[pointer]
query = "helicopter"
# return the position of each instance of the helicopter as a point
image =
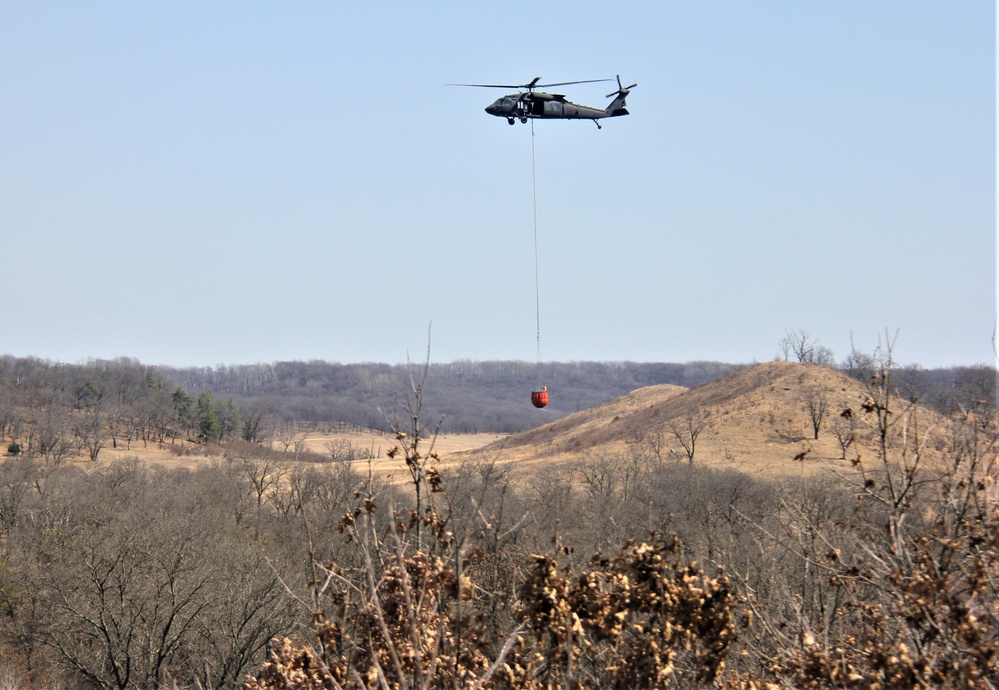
(529, 103)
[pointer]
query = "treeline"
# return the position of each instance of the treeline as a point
(52, 411)
(468, 396)
(624, 571)
(493, 396)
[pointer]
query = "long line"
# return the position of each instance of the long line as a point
(537, 280)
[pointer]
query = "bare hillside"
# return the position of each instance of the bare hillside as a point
(757, 419)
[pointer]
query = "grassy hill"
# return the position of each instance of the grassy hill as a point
(755, 420)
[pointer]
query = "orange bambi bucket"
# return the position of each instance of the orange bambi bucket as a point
(539, 398)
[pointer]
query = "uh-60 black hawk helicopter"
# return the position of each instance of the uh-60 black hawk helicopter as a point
(552, 106)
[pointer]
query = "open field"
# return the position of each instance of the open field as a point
(378, 442)
(181, 454)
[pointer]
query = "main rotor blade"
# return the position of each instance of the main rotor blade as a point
(533, 84)
(494, 86)
(566, 83)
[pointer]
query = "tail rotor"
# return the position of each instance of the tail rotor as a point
(621, 90)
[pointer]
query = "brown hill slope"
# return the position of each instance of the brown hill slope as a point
(758, 420)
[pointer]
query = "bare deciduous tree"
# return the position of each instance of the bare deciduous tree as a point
(52, 439)
(341, 449)
(148, 573)
(599, 476)
(844, 429)
(92, 432)
(424, 477)
(687, 428)
(816, 402)
(653, 447)
(803, 347)
(263, 473)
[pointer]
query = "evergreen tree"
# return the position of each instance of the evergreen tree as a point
(207, 419)
(183, 403)
(228, 419)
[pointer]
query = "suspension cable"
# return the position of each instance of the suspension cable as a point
(537, 281)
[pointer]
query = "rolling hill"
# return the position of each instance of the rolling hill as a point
(755, 420)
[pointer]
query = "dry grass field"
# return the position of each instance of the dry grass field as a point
(758, 422)
(378, 442)
(183, 454)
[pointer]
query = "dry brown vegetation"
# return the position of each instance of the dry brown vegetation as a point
(758, 421)
(882, 572)
(308, 445)
(605, 549)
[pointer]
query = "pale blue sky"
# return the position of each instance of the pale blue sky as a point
(195, 183)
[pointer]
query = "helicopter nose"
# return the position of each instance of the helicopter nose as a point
(491, 108)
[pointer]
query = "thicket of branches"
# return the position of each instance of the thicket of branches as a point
(887, 576)
(615, 571)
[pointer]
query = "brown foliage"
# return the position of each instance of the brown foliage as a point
(621, 623)
(415, 622)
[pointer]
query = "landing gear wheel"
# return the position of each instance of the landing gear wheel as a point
(509, 120)
(523, 120)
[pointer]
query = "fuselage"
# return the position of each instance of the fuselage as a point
(538, 105)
